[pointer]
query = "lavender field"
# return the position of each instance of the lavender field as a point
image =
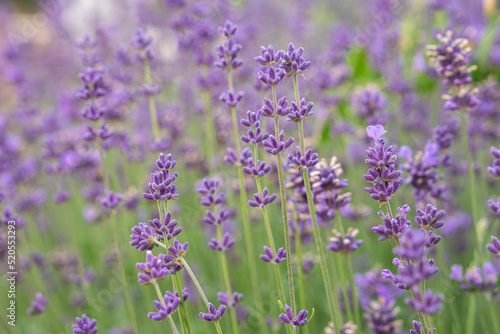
(249, 166)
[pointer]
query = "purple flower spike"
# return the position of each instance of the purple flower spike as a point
(292, 61)
(38, 305)
(221, 246)
(494, 247)
(153, 269)
(275, 146)
(344, 243)
(228, 30)
(429, 303)
(477, 278)
(213, 314)
(495, 206)
(375, 132)
(110, 200)
(411, 274)
(161, 187)
(141, 39)
(494, 169)
(268, 109)
(269, 57)
(260, 169)
(171, 302)
(93, 84)
(84, 325)
(272, 76)
(430, 218)
(229, 301)
(231, 99)
(177, 249)
(299, 113)
(298, 321)
(300, 161)
(208, 190)
(165, 162)
(268, 255)
(212, 219)
(395, 226)
(92, 112)
(143, 237)
(262, 201)
(417, 329)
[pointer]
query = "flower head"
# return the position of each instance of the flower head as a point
(84, 325)
(268, 255)
(164, 309)
(153, 269)
(268, 56)
(213, 314)
(344, 243)
(38, 305)
(298, 321)
(428, 303)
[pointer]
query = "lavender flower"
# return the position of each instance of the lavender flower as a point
(293, 63)
(430, 218)
(231, 99)
(227, 52)
(494, 247)
(300, 112)
(221, 246)
(93, 84)
(208, 189)
(229, 301)
(411, 245)
(344, 243)
(170, 304)
(161, 187)
(143, 237)
(268, 255)
(269, 57)
(38, 305)
(110, 200)
(417, 328)
(254, 136)
(494, 169)
(477, 278)
(276, 146)
(327, 176)
(382, 174)
(381, 317)
(153, 269)
(258, 169)
(298, 321)
(495, 206)
(177, 249)
(84, 325)
(371, 105)
(272, 76)
(269, 110)
(394, 227)
(262, 201)
(213, 314)
(411, 274)
(428, 303)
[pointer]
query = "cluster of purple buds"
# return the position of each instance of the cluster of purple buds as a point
(258, 169)
(300, 161)
(231, 99)
(268, 255)
(344, 243)
(477, 278)
(382, 174)
(231, 158)
(329, 203)
(229, 301)
(227, 52)
(223, 245)
(269, 110)
(153, 270)
(495, 206)
(213, 314)
(208, 190)
(395, 226)
(94, 86)
(272, 76)
(411, 274)
(269, 57)
(164, 309)
(494, 169)
(417, 329)
(430, 218)
(293, 63)
(38, 305)
(327, 176)
(370, 104)
(298, 321)
(300, 112)
(84, 325)
(141, 42)
(427, 303)
(275, 145)
(161, 187)
(494, 247)
(262, 200)
(144, 235)
(381, 317)
(110, 200)
(255, 134)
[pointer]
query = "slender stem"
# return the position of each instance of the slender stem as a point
(284, 214)
(471, 315)
(350, 277)
(457, 328)
(103, 165)
(227, 281)
(162, 301)
(340, 265)
(300, 272)
(471, 185)
(490, 305)
(210, 130)
(200, 290)
(151, 101)
(130, 305)
(252, 265)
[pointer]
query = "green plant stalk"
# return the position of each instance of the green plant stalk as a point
(471, 316)
(490, 305)
(284, 214)
(252, 266)
(457, 328)
(227, 282)
(209, 130)
(334, 310)
(103, 165)
(160, 299)
(176, 283)
(151, 101)
(471, 185)
(130, 305)
(300, 273)
(343, 286)
(200, 290)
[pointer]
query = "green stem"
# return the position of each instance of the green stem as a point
(200, 290)
(227, 281)
(350, 277)
(103, 165)
(162, 301)
(151, 101)
(300, 272)
(457, 328)
(130, 305)
(210, 130)
(284, 214)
